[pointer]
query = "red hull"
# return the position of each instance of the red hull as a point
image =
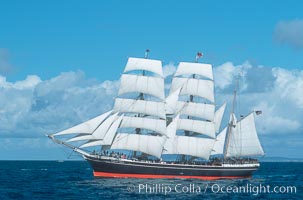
(117, 175)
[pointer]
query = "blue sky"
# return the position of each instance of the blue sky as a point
(59, 60)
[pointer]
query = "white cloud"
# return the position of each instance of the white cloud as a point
(226, 73)
(30, 82)
(34, 107)
(290, 33)
(289, 85)
(31, 107)
(276, 91)
(270, 122)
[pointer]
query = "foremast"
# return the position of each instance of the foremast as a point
(143, 114)
(146, 113)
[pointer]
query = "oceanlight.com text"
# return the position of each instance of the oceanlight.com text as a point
(211, 188)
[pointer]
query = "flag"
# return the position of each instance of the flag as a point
(258, 112)
(199, 55)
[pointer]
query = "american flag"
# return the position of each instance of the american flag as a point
(259, 112)
(199, 55)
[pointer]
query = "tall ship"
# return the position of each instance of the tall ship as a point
(148, 134)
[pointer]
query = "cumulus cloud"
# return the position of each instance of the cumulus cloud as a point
(274, 90)
(226, 74)
(290, 33)
(32, 107)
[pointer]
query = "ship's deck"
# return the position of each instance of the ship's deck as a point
(171, 163)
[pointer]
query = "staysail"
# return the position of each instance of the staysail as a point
(87, 127)
(243, 139)
(218, 148)
(218, 117)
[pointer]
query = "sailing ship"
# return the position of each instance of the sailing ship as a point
(148, 134)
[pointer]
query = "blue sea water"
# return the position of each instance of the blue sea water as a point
(74, 180)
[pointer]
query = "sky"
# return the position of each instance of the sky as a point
(60, 63)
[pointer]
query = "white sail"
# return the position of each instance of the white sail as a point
(92, 143)
(140, 106)
(244, 140)
(185, 68)
(99, 133)
(171, 102)
(218, 117)
(152, 145)
(86, 127)
(201, 110)
(197, 126)
(108, 138)
(157, 125)
(197, 87)
(194, 146)
(81, 138)
(169, 145)
(142, 84)
(219, 144)
(154, 66)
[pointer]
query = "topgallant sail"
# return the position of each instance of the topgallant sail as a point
(148, 135)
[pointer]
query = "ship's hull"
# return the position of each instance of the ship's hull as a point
(119, 168)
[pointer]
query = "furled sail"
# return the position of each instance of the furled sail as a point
(218, 117)
(87, 127)
(154, 66)
(142, 84)
(152, 145)
(244, 140)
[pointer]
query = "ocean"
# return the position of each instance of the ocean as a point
(74, 180)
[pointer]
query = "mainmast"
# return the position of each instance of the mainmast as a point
(141, 97)
(191, 99)
(231, 124)
(191, 116)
